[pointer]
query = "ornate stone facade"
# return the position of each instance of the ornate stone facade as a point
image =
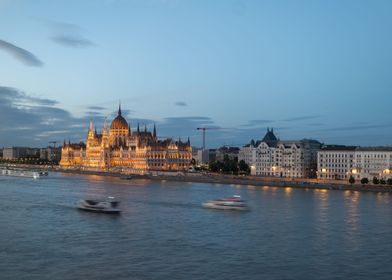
(286, 159)
(120, 149)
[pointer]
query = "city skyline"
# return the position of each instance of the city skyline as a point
(308, 69)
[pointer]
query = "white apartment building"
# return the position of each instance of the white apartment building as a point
(335, 162)
(247, 154)
(373, 162)
(272, 157)
(341, 162)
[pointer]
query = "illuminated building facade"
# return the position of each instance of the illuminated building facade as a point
(120, 149)
(286, 159)
(340, 162)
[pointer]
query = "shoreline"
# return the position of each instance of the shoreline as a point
(212, 178)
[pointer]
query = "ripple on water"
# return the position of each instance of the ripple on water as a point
(164, 233)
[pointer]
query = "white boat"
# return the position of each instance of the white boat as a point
(19, 173)
(228, 203)
(109, 206)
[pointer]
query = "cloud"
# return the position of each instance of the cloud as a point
(316, 124)
(32, 121)
(303, 118)
(96, 108)
(20, 54)
(257, 123)
(363, 128)
(68, 35)
(12, 95)
(72, 41)
(181, 104)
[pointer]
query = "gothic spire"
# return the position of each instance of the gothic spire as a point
(90, 130)
(105, 129)
(119, 109)
(154, 134)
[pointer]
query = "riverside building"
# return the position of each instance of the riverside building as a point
(123, 150)
(341, 162)
(273, 157)
(335, 162)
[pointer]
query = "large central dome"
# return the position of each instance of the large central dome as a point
(119, 122)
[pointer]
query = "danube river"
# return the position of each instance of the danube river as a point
(164, 233)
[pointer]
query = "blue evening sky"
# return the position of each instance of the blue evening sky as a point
(308, 69)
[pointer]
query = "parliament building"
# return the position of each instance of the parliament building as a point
(122, 150)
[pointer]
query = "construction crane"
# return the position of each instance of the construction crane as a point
(54, 143)
(204, 134)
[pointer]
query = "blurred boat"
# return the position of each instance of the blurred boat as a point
(19, 173)
(108, 206)
(229, 203)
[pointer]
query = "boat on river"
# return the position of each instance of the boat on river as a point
(109, 206)
(19, 173)
(229, 203)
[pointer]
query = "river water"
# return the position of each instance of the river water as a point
(164, 233)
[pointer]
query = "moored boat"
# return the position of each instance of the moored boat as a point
(108, 206)
(229, 203)
(19, 173)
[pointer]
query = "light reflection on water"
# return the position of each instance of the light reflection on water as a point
(164, 233)
(351, 219)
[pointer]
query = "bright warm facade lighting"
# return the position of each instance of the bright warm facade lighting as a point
(323, 170)
(387, 171)
(354, 171)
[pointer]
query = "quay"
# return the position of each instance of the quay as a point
(213, 178)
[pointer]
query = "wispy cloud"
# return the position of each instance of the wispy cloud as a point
(316, 124)
(257, 123)
(96, 108)
(360, 127)
(69, 35)
(33, 121)
(20, 54)
(302, 118)
(181, 104)
(72, 41)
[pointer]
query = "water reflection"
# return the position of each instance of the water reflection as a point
(383, 197)
(351, 218)
(290, 233)
(322, 224)
(288, 191)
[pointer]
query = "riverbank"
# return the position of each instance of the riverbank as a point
(213, 178)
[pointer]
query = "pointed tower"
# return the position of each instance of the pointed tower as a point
(90, 134)
(270, 138)
(138, 129)
(119, 109)
(145, 128)
(154, 134)
(105, 136)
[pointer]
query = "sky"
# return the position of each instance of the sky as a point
(306, 68)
